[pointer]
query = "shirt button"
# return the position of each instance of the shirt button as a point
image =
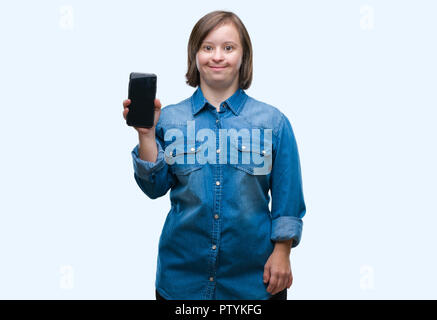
(216, 216)
(214, 247)
(217, 120)
(264, 151)
(218, 150)
(244, 147)
(192, 149)
(217, 183)
(211, 278)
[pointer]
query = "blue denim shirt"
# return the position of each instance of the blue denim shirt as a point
(220, 230)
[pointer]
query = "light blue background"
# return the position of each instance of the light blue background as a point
(361, 101)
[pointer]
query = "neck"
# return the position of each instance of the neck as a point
(215, 96)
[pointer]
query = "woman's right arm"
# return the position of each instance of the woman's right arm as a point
(151, 172)
(146, 136)
(147, 148)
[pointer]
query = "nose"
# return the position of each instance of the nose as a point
(218, 55)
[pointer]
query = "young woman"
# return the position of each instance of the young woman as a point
(220, 240)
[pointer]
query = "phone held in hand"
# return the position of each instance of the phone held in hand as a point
(142, 93)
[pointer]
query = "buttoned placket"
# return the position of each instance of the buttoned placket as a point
(215, 235)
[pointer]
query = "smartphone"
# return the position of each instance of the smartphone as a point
(142, 93)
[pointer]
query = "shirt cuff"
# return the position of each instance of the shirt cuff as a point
(146, 169)
(286, 228)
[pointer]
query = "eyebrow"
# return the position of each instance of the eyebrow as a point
(223, 42)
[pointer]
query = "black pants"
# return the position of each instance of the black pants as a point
(282, 295)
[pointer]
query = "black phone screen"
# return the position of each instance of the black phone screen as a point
(142, 93)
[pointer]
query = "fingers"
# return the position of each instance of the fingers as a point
(281, 285)
(127, 102)
(272, 284)
(278, 285)
(290, 281)
(279, 282)
(125, 108)
(157, 104)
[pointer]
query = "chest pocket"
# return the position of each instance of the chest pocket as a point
(253, 158)
(182, 157)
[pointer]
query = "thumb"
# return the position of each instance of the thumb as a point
(266, 275)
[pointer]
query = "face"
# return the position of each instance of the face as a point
(221, 48)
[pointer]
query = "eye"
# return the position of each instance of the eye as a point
(229, 47)
(206, 47)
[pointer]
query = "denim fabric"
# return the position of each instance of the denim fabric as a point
(220, 231)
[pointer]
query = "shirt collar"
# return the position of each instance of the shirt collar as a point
(235, 102)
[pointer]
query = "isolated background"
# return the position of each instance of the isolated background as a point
(357, 79)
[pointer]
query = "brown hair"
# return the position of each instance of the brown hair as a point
(199, 33)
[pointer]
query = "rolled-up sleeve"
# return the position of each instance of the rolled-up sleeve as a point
(153, 178)
(288, 205)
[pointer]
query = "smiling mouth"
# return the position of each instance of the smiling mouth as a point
(217, 68)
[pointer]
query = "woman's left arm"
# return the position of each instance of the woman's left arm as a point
(288, 208)
(288, 205)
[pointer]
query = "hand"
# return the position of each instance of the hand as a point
(277, 272)
(144, 131)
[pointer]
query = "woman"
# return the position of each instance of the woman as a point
(220, 240)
